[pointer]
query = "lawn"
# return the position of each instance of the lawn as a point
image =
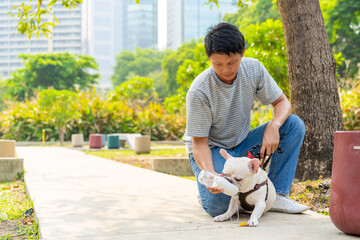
(14, 202)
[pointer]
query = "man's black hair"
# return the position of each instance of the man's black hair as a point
(224, 38)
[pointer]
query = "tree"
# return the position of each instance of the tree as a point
(342, 21)
(312, 83)
(173, 61)
(30, 16)
(57, 70)
(258, 12)
(137, 91)
(139, 63)
(312, 80)
(343, 27)
(60, 106)
(186, 73)
(266, 43)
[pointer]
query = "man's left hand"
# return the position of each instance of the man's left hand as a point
(271, 140)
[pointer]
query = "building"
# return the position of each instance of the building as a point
(67, 36)
(103, 34)
(141, 25)
(190, 19)
(114, 26)
(99, 28)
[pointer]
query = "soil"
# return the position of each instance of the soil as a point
(11, 230)
(142, 161)
(314, 194)
(16, 229)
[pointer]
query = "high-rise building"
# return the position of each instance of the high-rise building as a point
(114, 26)
(190, 19)
(103, 34)
(141, 25)
(99, 28)
(66, 36)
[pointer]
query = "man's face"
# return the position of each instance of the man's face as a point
(225, 66)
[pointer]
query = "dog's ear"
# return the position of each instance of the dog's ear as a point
(254, 165)
(224, 154)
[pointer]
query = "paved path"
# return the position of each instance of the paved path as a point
(79, 196)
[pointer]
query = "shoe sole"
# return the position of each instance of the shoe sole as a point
(287, 211)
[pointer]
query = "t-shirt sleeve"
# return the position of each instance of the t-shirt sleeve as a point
(198, 115)
(267, 90)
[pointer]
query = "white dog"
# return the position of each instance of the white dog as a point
(256, 191)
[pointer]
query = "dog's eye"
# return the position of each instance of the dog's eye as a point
(238, 179)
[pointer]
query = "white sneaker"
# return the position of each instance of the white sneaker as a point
(286, 205)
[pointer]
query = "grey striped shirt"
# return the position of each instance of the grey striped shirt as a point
(222, 112)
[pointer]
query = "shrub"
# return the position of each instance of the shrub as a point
(350, 105)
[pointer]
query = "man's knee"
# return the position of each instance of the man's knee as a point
(217, 205)
(216, 211)
(297, 125)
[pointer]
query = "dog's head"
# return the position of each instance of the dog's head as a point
(237, 169)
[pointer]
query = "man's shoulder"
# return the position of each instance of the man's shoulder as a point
(201, 80)
(248, 61)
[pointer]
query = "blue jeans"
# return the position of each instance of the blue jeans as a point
(282, 166)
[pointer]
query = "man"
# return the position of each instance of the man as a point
(218, 106)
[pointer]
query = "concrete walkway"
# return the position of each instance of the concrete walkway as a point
(79, 196)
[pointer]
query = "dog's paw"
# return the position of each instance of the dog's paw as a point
(253, 222)
(221, 218)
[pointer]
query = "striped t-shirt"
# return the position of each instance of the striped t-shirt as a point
(220, 111)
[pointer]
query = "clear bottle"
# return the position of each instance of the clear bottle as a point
(210, 179)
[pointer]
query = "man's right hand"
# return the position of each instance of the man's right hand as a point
(215, 190)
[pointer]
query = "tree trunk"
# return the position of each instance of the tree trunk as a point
(312, 83)
(61, 134)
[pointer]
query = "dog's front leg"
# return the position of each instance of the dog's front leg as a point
(233, 206)
(256, 214)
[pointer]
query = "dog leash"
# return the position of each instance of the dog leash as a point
(263, 163)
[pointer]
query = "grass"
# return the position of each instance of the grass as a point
(315, 194)
(111, 154)
(13, 204)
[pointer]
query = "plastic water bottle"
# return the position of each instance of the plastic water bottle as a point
(210, 179)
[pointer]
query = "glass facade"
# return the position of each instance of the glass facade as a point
(141, 29)
(190, 19)
(66, 36)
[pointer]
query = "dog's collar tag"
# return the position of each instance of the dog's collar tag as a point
(249, 155)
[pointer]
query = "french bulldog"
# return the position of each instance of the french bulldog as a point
(256, 191)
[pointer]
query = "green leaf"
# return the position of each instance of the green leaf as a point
(38, 20)
(44, 32)
(52, 3)
(51, 24)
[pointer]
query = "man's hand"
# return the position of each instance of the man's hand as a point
(271, 137)
(270, 141)
(214, 190)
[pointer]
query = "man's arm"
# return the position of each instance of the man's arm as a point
(203, 157)
(202, 153)
(271, 139)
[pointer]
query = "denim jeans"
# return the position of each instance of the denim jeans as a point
(282, 166)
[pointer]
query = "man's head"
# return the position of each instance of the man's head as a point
(225, 46)
(224, 38)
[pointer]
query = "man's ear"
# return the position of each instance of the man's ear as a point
(254, 165)
(224, 154)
